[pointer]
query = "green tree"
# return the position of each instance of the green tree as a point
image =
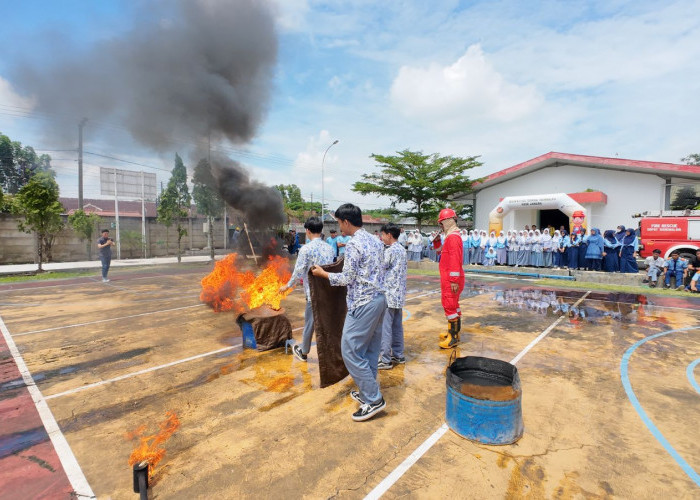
(425, 182)
(19, 163)
(37, 203)
(175, 202)
(686, 197)
(207, 198)
(131, 242)
(84, 226)
(691, 159)
(294, 204)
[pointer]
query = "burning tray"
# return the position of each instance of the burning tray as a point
(264, 328)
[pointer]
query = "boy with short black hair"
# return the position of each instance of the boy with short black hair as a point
(105, 244)
(655, 267)
(315, 252)
(395, 291)
(363, 274)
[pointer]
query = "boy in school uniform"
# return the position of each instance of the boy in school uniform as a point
(395, 291)
(315, 252)
(363, 275)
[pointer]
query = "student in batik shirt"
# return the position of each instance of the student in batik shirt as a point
(395, 286)
(363, 274)
(316, 252)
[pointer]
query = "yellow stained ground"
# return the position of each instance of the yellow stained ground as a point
(257, 425)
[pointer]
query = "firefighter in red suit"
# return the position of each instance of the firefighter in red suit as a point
(451, 277)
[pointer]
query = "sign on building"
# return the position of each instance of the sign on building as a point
(130, 184)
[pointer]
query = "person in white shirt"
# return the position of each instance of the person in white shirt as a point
(655, 267)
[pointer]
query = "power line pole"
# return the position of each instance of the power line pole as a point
(81, 124)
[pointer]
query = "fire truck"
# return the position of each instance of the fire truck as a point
(669, 231)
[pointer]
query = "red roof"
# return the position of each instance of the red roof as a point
(589, 197)
(553, 159)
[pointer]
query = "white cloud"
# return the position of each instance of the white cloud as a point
(470, 89)
(11, 101)
(290, 15)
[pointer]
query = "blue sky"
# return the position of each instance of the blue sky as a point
(504, 80)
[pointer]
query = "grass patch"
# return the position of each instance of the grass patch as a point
(642, 290)
(424, 272)
(48, 275)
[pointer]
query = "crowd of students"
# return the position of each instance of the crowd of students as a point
(613, 251)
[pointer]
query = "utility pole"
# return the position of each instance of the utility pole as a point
(81, 124)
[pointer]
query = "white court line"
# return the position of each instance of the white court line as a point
(65, 454)
(399, 471)
(146, 370)
(92, 279)
(105, 320)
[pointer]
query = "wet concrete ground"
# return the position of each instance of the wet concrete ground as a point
(257, 425)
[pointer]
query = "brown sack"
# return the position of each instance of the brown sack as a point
(271, 328)
(329, 308)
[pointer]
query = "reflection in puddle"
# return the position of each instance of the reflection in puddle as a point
(630, 308)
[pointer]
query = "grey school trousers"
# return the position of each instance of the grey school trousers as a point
(362, 337)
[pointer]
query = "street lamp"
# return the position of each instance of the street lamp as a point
(323, 177)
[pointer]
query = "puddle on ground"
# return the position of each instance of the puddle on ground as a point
(630, 308)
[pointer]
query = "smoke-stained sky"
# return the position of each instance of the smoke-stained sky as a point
(187, 70)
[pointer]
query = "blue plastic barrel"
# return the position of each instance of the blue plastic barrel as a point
(479, 419)
(248, 335)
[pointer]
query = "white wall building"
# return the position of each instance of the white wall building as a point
(611, 190)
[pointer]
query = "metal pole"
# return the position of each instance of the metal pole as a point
(81, 124)
(323, 177)
(116, 215)
(250, 242)
(143, 215)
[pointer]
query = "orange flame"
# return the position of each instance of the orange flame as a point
(228, 288)
(149, 448)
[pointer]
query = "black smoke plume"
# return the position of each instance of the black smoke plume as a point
(187, 71)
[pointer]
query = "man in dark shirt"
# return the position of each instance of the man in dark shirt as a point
(693, 268)
(105, 245)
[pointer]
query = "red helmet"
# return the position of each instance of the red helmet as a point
(578, 213)
(446, 213)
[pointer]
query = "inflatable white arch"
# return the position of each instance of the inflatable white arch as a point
(558, 201)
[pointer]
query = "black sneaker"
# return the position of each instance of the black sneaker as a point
(383, 365)
(367, 410)
(356, 396)
(667, 286)
(398, 361)
(296, 349)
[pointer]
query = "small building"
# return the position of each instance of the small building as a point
(550, 189)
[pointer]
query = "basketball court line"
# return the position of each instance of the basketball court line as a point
(411, 460)
(65, 454)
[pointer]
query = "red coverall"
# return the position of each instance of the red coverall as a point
(451, 272)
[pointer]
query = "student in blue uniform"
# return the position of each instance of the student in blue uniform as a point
(594, 250)
(564, 244)
(572, 253)
(677, 268)
(620, 233)
(628, 252)
(537, 250)
(582, 249)
(611, 252)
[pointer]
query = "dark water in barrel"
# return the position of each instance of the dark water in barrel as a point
(487, 388)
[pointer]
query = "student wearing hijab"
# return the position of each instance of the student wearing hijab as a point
(522, 256)
(465, 246)
(564, 244)
(611, 252)
(572, 253)
(529, 241)
(583, 247)
(547, 247)
(620, 233)
(556, 255)
(476, 244)
(481, 249)
(512, 248)
(537, 256)
(501, 249)
(490, 256)
(628, 252)
(594, 250)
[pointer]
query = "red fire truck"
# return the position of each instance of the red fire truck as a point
(669, 231)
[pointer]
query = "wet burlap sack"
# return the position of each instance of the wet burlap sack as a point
(271, 328)
(329, 307)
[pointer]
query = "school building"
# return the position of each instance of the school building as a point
(557, 188)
